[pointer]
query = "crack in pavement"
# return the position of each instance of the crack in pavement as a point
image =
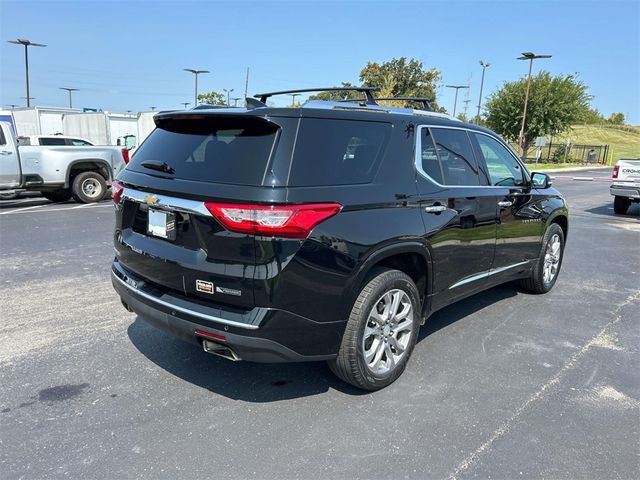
(473, 457)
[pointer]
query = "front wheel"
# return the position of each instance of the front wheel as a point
(545, 272)
(380, 333)
(621, 204)
(89, 187)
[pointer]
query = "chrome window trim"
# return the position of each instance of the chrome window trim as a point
(418, 156)
(168, 202)
(486, 274)
(178, 308)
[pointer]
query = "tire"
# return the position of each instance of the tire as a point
(550, 258)
(89, 187)
(621, 204)
(376, 298)
(57, 195)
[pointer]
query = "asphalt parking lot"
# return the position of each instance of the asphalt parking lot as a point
(502, 385)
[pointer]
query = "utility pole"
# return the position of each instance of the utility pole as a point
(185, 104)
(293, 98)
(228, 92)
(12, 105)
(484, 65)
(27, 44)
(195, 73)
(246, 83)
(531, 57)
(69, 89)
(153, 109)
(455, 101)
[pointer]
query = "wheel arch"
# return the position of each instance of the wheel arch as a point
(412, 258)
(87, 165)
(562, 219)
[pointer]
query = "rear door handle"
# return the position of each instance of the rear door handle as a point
(435, 209)
(505, 203)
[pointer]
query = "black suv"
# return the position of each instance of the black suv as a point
(326, 232)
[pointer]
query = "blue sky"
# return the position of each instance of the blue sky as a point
(130, 55)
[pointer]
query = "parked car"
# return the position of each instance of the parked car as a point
(626, 185)
(50, 140)
(58, 172)
(326, 232)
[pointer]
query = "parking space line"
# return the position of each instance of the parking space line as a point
(23, 209)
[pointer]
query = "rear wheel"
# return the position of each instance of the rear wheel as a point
(89, 187)
(56, 196)
(380, 333)
(621, 204)
(545, 273)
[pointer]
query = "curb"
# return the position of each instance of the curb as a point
(568, 170)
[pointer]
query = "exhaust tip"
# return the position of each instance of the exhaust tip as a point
(220, 350)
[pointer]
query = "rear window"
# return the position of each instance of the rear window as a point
(337, 152)
(220, 150)
(51, 141)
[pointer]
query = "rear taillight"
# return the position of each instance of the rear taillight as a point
(615, 171)
(116, 191)
(125, 156)
(289, 221)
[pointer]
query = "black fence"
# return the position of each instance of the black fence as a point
(572, 153)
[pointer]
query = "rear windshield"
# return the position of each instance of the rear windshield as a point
(337, 152)
(220, 150)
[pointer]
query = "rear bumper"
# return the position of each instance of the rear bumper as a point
(629, 191)
(259, 335)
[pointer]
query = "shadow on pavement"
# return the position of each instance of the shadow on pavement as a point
(257, 382)
(607, 211)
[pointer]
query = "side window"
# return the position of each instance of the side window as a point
(429, 157)
(51, 141)
(456, 157)
(503, 168)
(3, 141)
(76, 142)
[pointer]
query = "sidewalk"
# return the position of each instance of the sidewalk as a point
(531, 168)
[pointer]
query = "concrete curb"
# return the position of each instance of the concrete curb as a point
(559, 170)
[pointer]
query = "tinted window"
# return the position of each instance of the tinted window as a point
(337, 152)
(223, 150)
(3, 141)
(456, 157)
(24, 141)
(50, 141)
(503, 168)
(430, 162)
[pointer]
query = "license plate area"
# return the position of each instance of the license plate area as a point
(162, 224)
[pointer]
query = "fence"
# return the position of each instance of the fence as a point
(572, 153)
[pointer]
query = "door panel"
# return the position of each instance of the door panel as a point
(9, 161)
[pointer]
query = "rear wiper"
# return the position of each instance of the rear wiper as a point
(161, 166)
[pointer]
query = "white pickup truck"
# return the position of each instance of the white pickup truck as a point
(626, 184)
(58, 172)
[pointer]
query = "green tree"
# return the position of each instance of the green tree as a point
(212, 98)
(555, 103)
(591, 116)
(616, 118)
(397, 77)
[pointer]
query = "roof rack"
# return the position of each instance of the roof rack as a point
(426, 102)
(370, 100)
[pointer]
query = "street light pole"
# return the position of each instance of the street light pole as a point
(455, 101)
(484, 67)
(235, 101)
(185, 104)
(69, 89)
(531, 57)
(228, 92)
(196, 73)
(293, 98)
(27, 44)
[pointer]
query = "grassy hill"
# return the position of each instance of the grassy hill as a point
(623, 139)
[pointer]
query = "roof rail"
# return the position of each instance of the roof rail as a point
(425, 101)
(370, 100)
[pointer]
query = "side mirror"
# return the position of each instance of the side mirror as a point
(540, 180)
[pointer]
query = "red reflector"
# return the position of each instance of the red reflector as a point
(125, 156)
(210, 335)
(116, 191)
(615, 171)
(289, 221)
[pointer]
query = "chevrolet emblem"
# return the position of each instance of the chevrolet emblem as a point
(150, 199)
